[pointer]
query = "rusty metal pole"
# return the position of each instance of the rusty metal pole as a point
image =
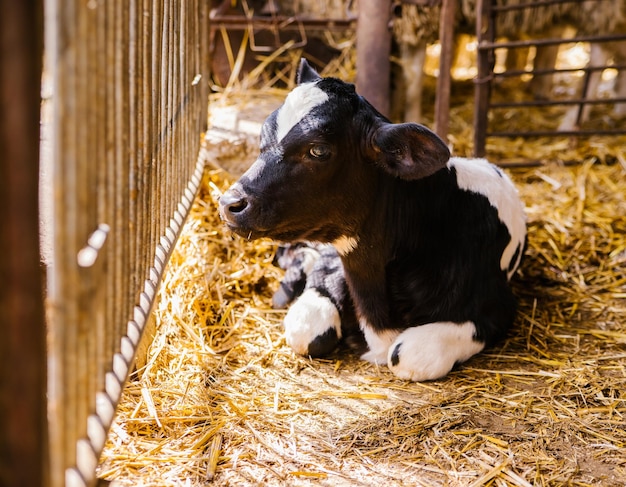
(373, 37)
(444, 80)
(23, 437)
(485, 62)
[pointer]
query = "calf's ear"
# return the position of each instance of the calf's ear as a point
(306, 73)
(409, 150)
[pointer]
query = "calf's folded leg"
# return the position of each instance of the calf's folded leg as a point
(430, 351)
(312, 324)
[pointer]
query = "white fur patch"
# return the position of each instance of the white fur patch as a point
(480, 176)
(309, 317)
(309, 257)
(378, 343)
(299, 102)
(344, 245)
(430, 351)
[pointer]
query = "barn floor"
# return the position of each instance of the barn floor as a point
(222, 400)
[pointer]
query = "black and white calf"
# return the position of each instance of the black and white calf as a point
(428, 242)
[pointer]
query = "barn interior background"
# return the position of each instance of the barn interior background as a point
(136, 249)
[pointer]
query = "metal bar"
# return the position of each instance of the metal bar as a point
(482, 89)
(372, 55)
(519, 72)
(583, 101)
(482, 46)
(444, 80)
(239, 22)
(537, 4)
(543, 103)
(557, 133)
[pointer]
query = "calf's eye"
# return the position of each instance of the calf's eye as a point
(319, 151)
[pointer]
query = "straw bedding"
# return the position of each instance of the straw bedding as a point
(222, 400)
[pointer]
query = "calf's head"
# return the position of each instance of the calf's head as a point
(323, 156)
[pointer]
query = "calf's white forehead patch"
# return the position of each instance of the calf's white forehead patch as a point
(298, 104)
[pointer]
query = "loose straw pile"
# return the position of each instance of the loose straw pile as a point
(223, 401)
(222, 398)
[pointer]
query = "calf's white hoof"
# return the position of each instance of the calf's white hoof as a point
(430, 351)
(312, 325)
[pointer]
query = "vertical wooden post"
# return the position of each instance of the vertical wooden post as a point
(485, 61)
(372, 53)
(23, 432)
(446, 38)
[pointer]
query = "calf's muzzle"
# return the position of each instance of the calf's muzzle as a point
(232, 203)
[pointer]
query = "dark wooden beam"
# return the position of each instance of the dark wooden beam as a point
(23, 437)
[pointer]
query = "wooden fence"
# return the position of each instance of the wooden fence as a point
(128, 105)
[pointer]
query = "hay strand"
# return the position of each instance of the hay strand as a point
(214, 455)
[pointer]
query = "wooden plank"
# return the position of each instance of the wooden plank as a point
(22, 347)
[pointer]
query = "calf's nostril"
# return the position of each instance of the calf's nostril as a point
(237, 206)
(233, 202)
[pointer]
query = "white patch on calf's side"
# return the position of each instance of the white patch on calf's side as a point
(344, 245)
(429, 352)
(310, 316)
(378, 343)
(482, 177)
(299, 102)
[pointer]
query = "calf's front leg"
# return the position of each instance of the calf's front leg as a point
(430, 351)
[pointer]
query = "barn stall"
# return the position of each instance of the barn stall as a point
(217, 396)
(223, 400)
